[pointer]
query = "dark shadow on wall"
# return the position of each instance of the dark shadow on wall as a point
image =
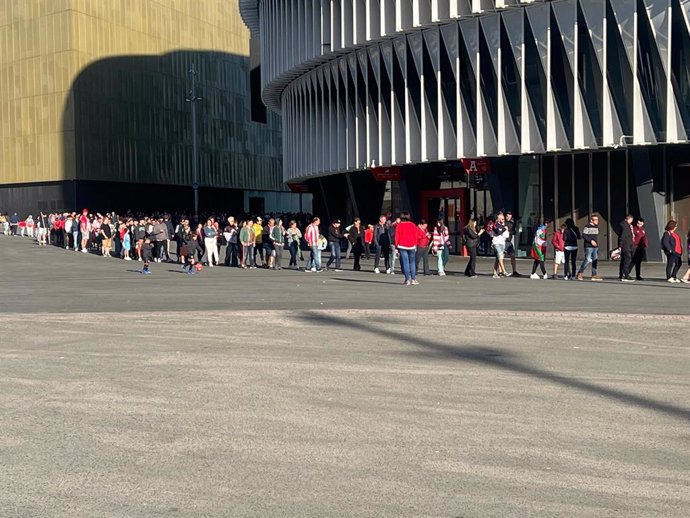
(128, 134)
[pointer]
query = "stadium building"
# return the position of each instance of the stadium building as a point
(93, 108)
(549, 109)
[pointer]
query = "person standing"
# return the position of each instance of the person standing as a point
(499, 235)
(673, 248)
(406, 244)
(334, 237)
(356, 237)
(441, 238)
(267, 243)
(230, 234)
(538, 251)
(510, 243)
(258, 230)
(590, 235)
(84, 229)
(42, 224)
(571, 235)
(294, 235)
(312, 235)
(382, 245)
(14, 224)
(558, 242)
(211, 243)
(106, 233)
(640, 244)
(394, 253)
(278, 239)
(423, 240)
(368, 240)
(471, 243)
(247, 240)
(626, 243)
(126, 240)
(686, 277)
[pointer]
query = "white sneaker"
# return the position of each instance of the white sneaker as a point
(441, 274)
(534, 276)
(388, 271)
(671, 280)
(313, 269)
(545, 276)
(376, 270)
(83, 250)
(66, 248)
(496, 276)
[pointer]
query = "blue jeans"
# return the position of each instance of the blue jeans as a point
(335, 255)
(591, 256)
(314, 258)
(408, 264)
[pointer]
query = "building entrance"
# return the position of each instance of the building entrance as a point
(451, 206)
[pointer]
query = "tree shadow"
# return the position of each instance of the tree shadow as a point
(500, 360)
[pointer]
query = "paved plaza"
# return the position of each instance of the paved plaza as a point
(260, 393)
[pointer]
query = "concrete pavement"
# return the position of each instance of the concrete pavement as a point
(36, 279)
(257, 393)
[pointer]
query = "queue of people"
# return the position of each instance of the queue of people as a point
(252, 242)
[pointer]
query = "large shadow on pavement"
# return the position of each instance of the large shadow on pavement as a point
(500, 360)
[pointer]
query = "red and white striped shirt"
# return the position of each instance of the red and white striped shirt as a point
(312, 235)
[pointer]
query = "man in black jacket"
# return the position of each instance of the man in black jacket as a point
(626, 244)
(334, 237)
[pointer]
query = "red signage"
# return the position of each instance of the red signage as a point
(476, 165)
(298, 187)
(386, 174)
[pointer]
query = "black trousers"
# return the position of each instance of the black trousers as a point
(385, 253)
(570, 265)
(540, 264)
(423, 256)
(626, 264)
(472, 263)
(639, 256)
(231, 255)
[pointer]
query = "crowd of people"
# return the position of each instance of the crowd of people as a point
(251, 242)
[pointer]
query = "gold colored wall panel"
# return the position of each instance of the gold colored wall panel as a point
(46, 45)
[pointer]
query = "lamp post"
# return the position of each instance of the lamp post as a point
(195, 144)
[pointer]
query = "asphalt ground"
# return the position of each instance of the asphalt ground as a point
(258, 393)
(48, 279)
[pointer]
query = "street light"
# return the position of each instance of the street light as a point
(195, 144)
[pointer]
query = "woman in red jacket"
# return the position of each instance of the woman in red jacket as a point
(406, 244)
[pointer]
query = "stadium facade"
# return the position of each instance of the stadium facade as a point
(549, 109)
(93, 108)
